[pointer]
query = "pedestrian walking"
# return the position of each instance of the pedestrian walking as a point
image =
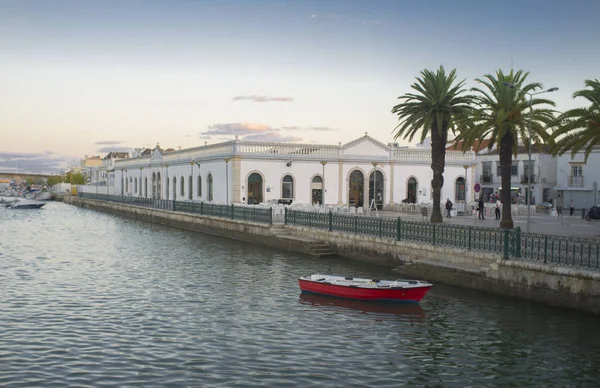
(449, 207)
(559, 206)
(498, 207)
(571, 207)
(481, 208)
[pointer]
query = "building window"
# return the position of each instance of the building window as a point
(182, 187)
(577, 171)
(514, 169)
(287, 187)
(135, 186)
(190, 188)
(199, 186)
(210, 187)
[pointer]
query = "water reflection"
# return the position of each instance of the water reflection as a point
(407, 309)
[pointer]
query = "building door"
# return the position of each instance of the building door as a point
(356, 189)
(459, 191)
(158, 186)
(316, 190)
(411, 190)
(254, 189)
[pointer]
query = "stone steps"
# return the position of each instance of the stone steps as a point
(310, 246)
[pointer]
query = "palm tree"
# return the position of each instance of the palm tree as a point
(501, 114)
(432, 110)
(581, 126)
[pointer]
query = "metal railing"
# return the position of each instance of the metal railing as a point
(232, 212)
(575, 181)
(524, 179)
(487, 178)
(510, 243)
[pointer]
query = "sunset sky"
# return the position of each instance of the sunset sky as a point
(88, 77)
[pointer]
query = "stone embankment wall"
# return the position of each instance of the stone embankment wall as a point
(572, 288)
(234, 229)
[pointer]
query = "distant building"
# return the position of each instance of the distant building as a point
(579, 180)
(542, 170)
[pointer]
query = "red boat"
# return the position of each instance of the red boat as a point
(408, 291)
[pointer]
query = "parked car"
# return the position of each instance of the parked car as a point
(547, 205)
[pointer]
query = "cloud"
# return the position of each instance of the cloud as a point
(239, 129)
(108, 149)
(320, 129)
(257, 98)
(296, 128)
(272, 137)
(47, 162)
(108, 142)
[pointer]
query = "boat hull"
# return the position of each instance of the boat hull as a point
(28, 206)
(399, 294)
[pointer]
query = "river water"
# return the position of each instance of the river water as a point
(91, 299)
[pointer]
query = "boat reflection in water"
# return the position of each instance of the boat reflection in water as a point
(408, 309)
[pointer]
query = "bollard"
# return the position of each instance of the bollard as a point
(582, 213)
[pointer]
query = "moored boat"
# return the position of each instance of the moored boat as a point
(26, 204)
(408, 291)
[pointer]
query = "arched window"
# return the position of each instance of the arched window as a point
(146, 187)
(210, 187)
(190, 188)
(199, 186)
(174, 188)
(182, 187)
(287, 187)
(135, 186)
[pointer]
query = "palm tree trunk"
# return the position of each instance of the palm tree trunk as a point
(506, 151)
(438, 163)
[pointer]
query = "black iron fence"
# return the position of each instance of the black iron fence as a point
(511, 243)
(232, 212)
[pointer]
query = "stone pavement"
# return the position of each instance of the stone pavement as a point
(540, 223)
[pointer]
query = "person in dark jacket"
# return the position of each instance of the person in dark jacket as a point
(481, 208)
(449, 207)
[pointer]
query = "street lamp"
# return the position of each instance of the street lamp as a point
(374, 187)
(528, 191)
(323, 185)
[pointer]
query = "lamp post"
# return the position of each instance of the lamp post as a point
(466, 167)
(528, 191)
(323, 184)
(227, 179)
(374, 185)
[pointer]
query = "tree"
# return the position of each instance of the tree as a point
(432, 111)
(501, 114)
(579, 129)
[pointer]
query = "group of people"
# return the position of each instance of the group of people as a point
(559, 206)
(480, 208)
(498, 207)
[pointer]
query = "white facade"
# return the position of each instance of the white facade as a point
(579, 180)
(254, 172)
(543, 177)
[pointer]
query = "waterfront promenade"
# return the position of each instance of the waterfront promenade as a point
(540, 223)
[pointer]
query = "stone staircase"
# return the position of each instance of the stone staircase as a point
(301, 244)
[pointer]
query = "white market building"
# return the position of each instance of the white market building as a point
(260, 172)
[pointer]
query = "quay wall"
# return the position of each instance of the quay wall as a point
(489, 272)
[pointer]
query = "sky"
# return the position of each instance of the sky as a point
(89, 77)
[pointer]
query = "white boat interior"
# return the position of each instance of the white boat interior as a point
(366, 283)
